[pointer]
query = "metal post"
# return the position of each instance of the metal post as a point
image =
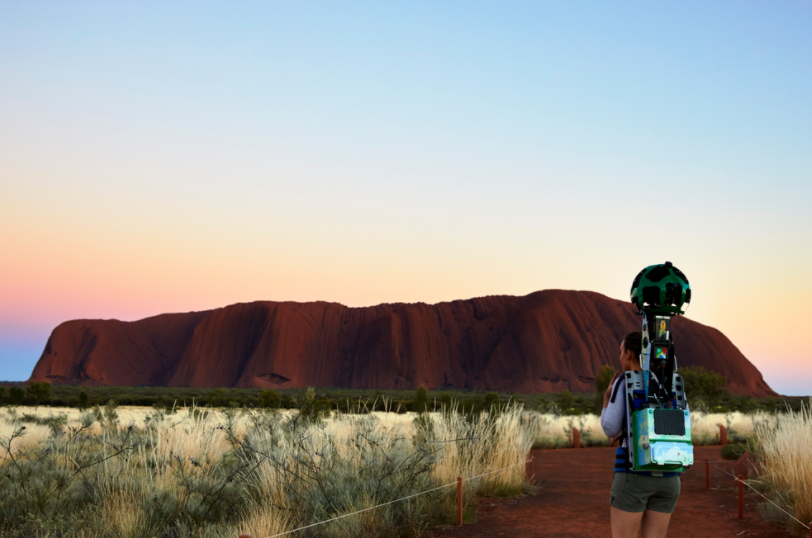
(459, 500)
(707, 474)
(741, 497)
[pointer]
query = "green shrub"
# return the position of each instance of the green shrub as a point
(312, 409)
(38, 392)
(16, 396)
(604, 377)
(491, 402)
(287, 402)
(270, 400)
(83, 401)
(602, 380)
(706, 385)
(421, 400)
(733, 451)
(110, 415)
(565, 400)
(446, 402)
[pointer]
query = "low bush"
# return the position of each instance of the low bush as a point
(733, 451)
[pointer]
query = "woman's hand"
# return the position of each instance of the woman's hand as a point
(608, 393)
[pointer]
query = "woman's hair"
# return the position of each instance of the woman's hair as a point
(634, 342)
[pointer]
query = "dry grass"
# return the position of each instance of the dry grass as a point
(215, 474)
(554, 430)
(35, 435)
(508, 442)
(210, 474)
(785, 449)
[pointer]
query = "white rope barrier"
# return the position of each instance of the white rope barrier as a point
(496, 471)
(396, 500)
(762, 495)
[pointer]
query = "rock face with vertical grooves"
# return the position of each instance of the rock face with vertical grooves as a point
(543, 342)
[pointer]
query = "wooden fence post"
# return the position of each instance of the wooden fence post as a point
(722, 435)
(459, 500)
(576, 438)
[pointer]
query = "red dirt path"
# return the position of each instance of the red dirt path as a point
(573, 500)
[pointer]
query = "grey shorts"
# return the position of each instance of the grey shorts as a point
(635, 493)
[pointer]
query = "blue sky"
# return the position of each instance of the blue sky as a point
(160, 157)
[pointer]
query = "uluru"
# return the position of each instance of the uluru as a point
(546, 341)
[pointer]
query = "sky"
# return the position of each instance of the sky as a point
(170, 157)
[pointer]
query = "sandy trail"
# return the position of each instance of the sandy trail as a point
(573, 500)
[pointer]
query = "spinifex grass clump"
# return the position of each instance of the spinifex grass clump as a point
(784, 448)
(325, 469)
(482, 443)
(101, 479)
(218, 474)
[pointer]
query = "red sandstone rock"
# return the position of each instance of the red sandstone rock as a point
(543, 342)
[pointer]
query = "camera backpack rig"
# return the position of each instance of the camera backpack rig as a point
(657, 416)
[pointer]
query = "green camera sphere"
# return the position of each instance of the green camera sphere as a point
(661, 289)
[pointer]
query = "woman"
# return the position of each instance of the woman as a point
(640, 501)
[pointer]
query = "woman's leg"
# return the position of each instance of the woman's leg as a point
(655, 524)
(660, 506)
(626, 524)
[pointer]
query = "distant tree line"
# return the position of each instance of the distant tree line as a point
(705, 391)
(33, 393)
